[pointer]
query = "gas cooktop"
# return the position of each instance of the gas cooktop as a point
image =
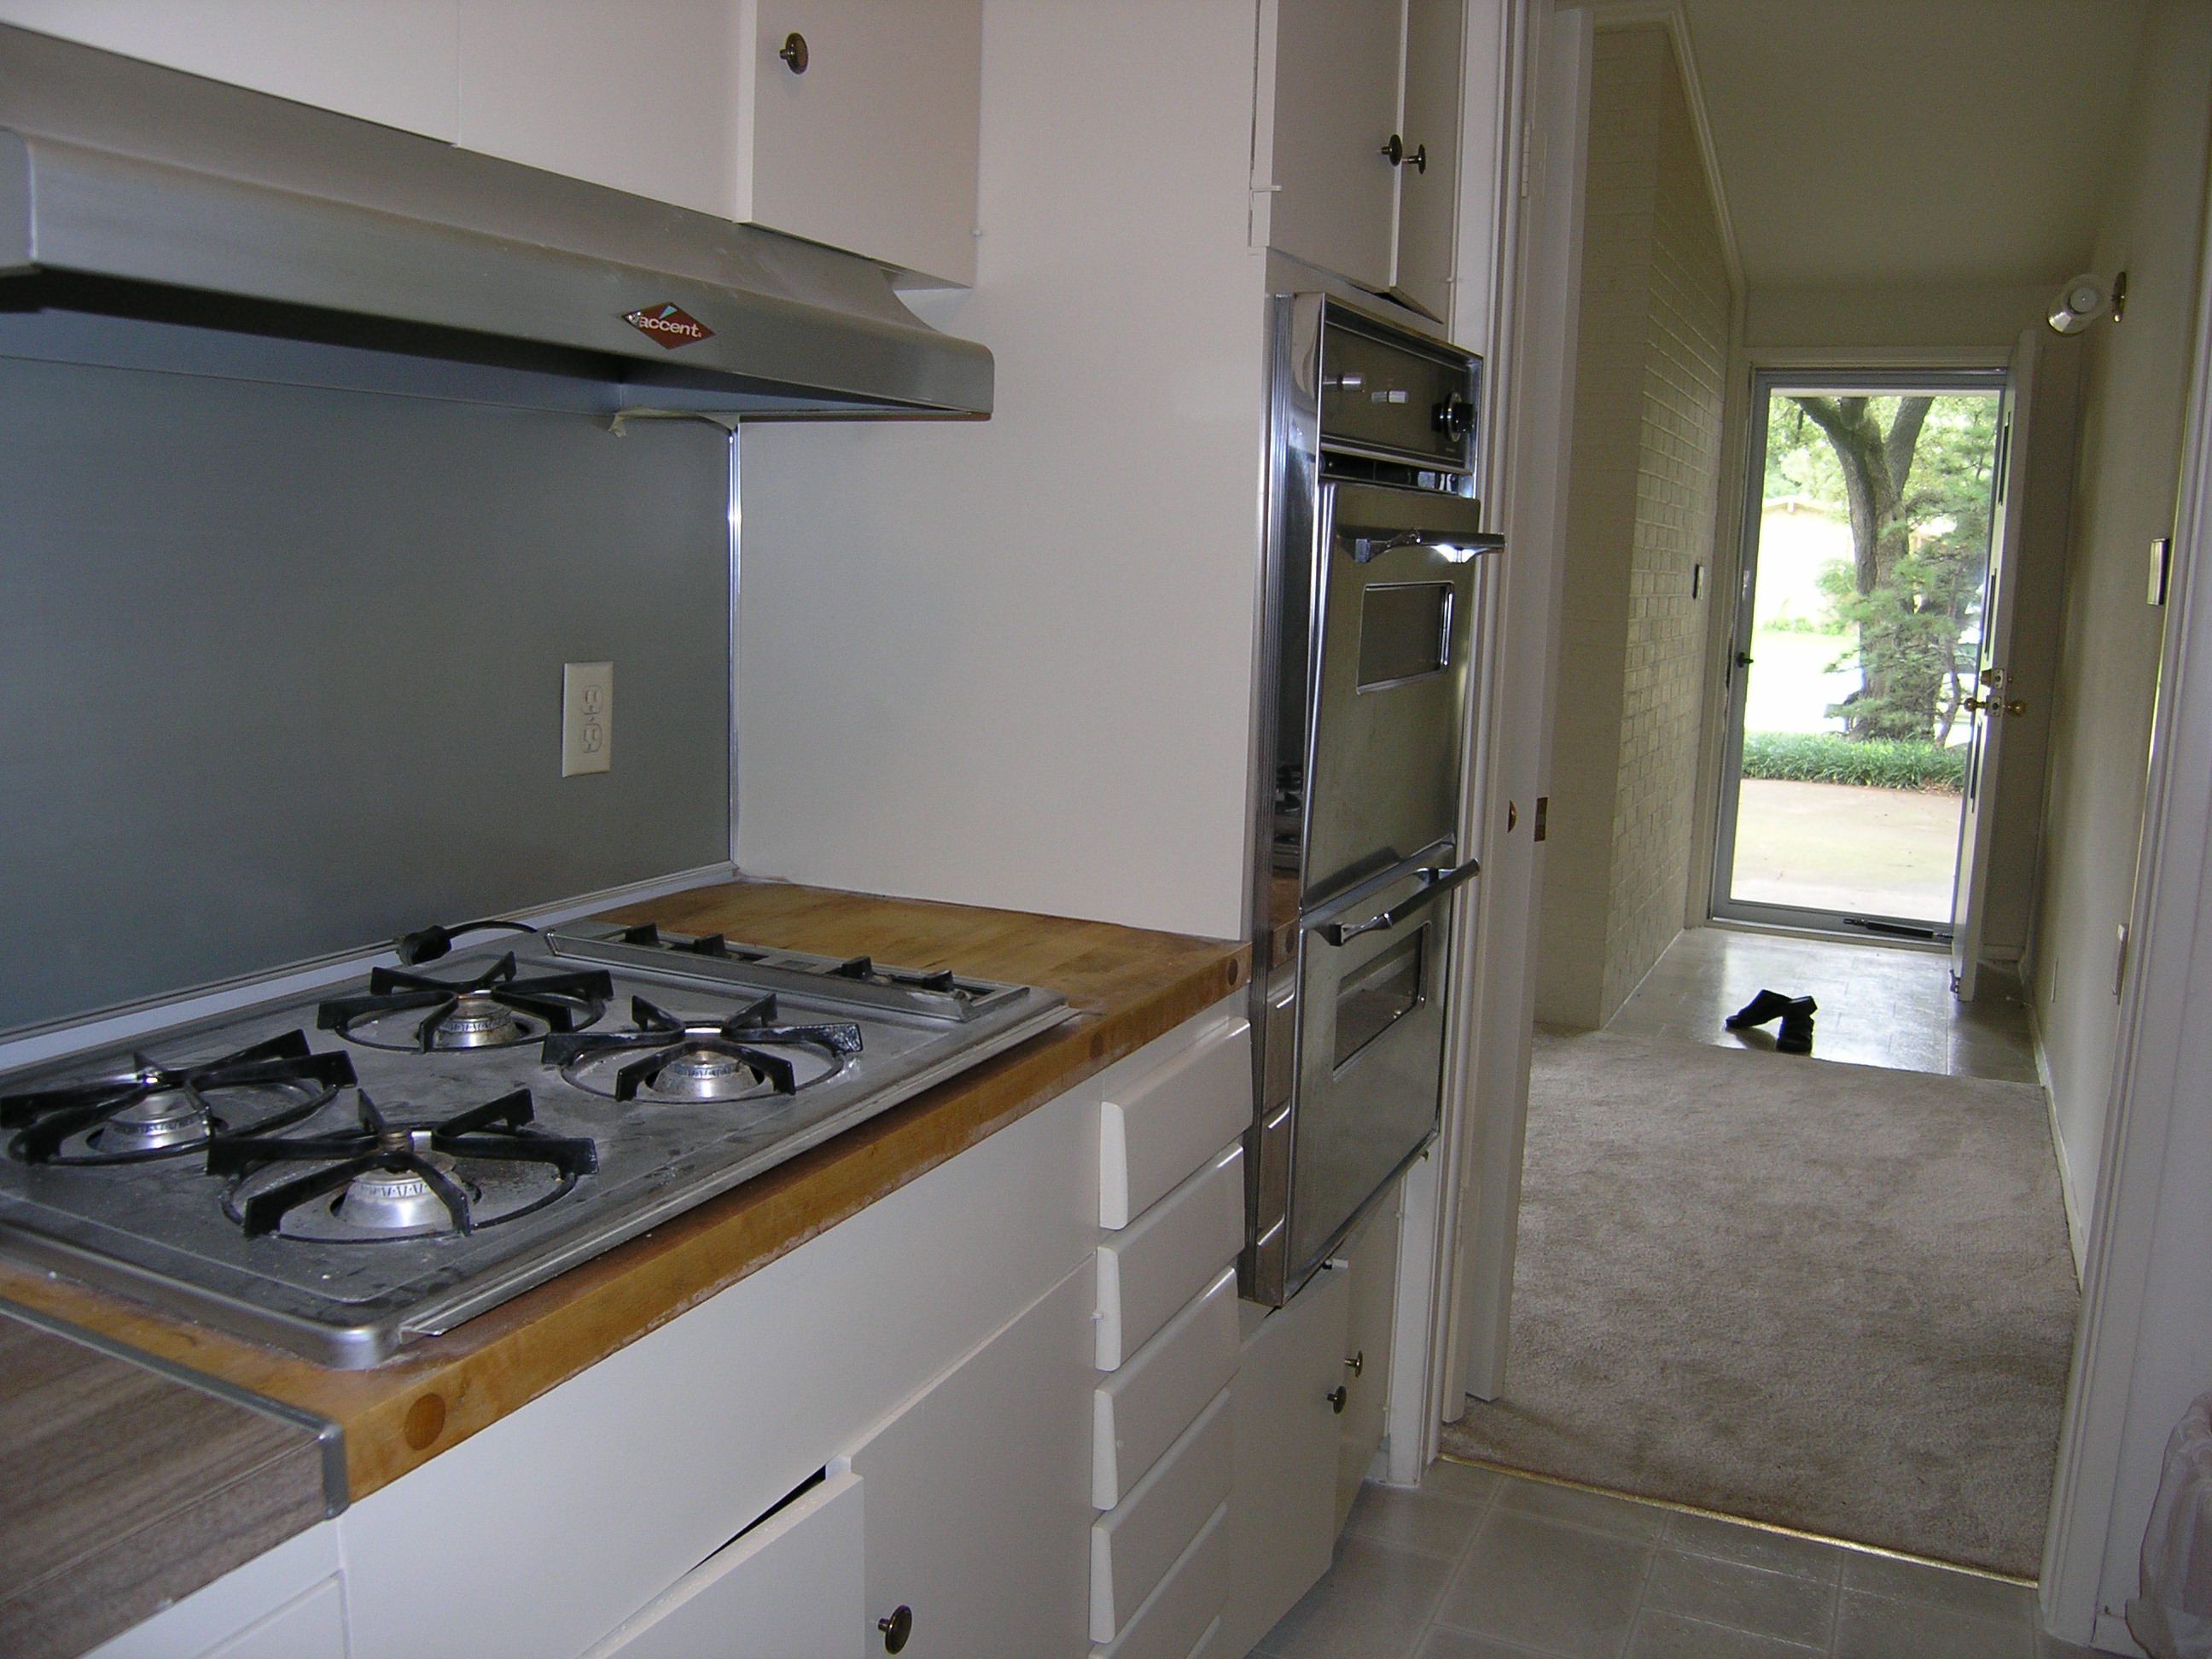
(337, 1175)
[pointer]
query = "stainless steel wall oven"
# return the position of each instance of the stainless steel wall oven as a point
(1374, 584)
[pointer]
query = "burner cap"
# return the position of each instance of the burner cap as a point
(397, 1201)
(164, 1117)
(704, 1074)
(478, 1022)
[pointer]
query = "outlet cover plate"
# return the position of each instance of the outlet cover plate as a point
(587, 718)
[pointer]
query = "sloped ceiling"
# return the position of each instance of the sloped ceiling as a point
(1913, 142)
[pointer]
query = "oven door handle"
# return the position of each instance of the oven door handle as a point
(1436, 883)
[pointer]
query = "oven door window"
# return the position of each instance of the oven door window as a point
(1377, 994)
(1405, 633)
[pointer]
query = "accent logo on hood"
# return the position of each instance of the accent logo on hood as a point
(670, 326)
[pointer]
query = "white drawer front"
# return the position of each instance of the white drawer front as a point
(1158, 1128)
(1140, 1409)
(1174, 1620)
(1168, 1256)
(1132, 1546)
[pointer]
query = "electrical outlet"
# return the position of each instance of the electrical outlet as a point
(587, 718)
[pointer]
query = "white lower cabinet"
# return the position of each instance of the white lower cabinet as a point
(978, 1496)
(1282, 1512)
(791, 1585)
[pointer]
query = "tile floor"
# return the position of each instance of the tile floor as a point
(1880, 1004)
(1475, 1565)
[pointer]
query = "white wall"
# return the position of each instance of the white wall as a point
(2134, 382)
(1011, 664)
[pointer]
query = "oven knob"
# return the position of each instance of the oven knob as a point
(896, 1628)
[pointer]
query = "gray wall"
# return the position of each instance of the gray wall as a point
(281, 633)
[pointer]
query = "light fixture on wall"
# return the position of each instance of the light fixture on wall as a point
(2084, 299)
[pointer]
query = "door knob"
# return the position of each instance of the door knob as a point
(1397, 155)
(1336, 1397)
(896, 1628)
(794, 53)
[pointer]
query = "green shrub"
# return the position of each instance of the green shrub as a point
(1831, 758)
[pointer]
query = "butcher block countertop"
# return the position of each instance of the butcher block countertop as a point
(1124, 988)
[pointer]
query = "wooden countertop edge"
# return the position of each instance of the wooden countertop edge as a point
(407, 1411)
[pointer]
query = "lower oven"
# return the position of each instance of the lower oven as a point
(1363, 1007)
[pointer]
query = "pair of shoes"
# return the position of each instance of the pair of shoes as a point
(1795, 1012)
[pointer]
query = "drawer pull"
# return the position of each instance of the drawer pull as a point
(1336, 1397)
(896, 1628)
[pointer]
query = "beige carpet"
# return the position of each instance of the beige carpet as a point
(1837, 1297)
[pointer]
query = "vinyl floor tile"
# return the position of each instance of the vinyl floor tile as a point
(1672, 1636)
(1743, 1598)
(1556, 1588)
(1960, 1592)
(1755, 1547)
(1373, 1603)
(1621, 1518)
(1425, 1521)
(1868, 1627)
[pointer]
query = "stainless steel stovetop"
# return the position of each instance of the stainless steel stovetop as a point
(427, 1190)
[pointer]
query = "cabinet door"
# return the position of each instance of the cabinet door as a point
(789, 1585)
(873, 147)
(641, 96)
(1336, 106)
(1373, 1296)
(979, 1512)
(1282, 1510)
(388, 61)
(1428, 198)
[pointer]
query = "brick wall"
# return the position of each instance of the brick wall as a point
(1643, 489)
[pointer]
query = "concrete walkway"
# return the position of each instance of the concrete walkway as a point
(1838, 847)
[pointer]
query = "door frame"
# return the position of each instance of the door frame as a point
(1873, 373)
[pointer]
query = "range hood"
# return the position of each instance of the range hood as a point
(130, 189)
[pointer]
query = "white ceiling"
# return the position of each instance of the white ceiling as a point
(1937, 143)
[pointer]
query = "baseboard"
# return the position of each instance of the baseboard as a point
(2077, 1225)
(2111, 1636)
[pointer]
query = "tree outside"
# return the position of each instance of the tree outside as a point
(1912, 475)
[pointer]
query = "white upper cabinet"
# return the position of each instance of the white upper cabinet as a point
(388, 61)
(1361, 156)
(848, 122)
(864, 138)
(1336, 109)
(874, 147)
(1428, 196)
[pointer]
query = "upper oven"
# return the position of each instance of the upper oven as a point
(1396, 600)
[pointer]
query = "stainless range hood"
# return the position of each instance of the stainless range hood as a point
(132, 190)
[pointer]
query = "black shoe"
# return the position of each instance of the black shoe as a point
(1796, 1034)
(1760, 1010)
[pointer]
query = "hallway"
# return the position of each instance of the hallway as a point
(1880, 1004)
(1481, 1564)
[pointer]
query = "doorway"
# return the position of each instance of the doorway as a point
(1851, 677)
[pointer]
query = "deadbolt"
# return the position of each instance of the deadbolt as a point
(794, 53)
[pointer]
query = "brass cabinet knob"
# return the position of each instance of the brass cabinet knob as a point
(1358, 1363)
(896, 1628)
(1336, 1397)
(794, 53)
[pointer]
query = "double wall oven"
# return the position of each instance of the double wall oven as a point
(1375, 580)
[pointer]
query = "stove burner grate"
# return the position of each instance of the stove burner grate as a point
(388, 1180)
(157, 1111)
(672, 1059)
(494, 1010)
